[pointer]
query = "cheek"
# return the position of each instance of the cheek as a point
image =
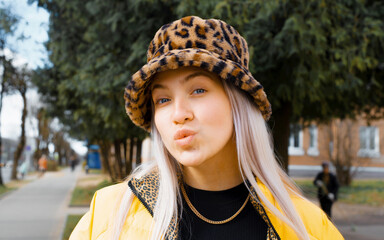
(161, 124)
(217, 115)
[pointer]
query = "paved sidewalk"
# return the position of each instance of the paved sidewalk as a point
(358, 222)
(38, 210)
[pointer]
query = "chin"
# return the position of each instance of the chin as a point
(190, 164)
(190, 161)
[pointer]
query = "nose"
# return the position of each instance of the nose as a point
(182, 111)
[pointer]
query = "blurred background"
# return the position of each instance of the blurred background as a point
(64, 66)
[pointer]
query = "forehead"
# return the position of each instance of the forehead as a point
(181, 75)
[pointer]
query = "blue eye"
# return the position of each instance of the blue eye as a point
(162, 100)
(199, 91)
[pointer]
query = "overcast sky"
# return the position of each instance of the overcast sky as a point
(34, 26)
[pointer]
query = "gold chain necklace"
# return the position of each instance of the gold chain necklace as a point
(206, 219)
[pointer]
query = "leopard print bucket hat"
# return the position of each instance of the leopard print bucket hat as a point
(210, 44)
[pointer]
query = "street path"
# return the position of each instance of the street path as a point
(358, 222)
(38, 210)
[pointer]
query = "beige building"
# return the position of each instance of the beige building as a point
(345, 140)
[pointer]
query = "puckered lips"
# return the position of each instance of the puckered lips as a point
(184, 137)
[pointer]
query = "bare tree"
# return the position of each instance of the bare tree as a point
(59, 142)
(44, 132)
(8, 22)
(19, 81)
(341, 135)
(7, 67)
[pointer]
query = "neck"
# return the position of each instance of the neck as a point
(218, 173)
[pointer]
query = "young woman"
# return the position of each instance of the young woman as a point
(215, 174)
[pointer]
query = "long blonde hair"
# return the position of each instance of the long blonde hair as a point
(255, 156)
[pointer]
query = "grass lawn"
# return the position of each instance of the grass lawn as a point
(70, 224)
(94, 171)
(82, 196)
(83, 193)
(369, 192)
(4, 189)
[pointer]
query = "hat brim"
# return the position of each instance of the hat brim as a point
(137, 96)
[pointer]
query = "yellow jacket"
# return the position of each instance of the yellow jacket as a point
(96, 223)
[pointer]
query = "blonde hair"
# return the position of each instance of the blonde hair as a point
(255, 156)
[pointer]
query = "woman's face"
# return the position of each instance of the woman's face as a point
(193, 115)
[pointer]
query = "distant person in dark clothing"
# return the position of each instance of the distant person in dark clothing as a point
(328, 187)
(73, 162)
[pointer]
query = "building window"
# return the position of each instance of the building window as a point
(369, 142)
(296, 140)
(313, 149)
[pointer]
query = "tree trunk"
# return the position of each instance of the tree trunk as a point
(1, 153)
(125, 149)
(341, 147)
(60, 153)
(139, 144)
(280, 131)
(67, 156)
(58, 150)
(119, 163)
(105, 148)
(130, 156)
(1, 140)
(21, 145)
(35, 157)
(343, 174)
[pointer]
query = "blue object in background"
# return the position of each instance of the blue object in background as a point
(93, 157)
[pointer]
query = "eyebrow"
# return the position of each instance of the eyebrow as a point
(186, 79)
(196, 74)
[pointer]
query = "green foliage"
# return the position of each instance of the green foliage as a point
(94, 49)
(4, 189)
(317, 60)
(311, 54)
(70, 224)
(82, 195)
(8, 22)
(322, 59)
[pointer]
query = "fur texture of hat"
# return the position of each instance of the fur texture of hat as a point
(210, 44)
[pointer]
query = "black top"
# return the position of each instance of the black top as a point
(217, 206)
(331, 183)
